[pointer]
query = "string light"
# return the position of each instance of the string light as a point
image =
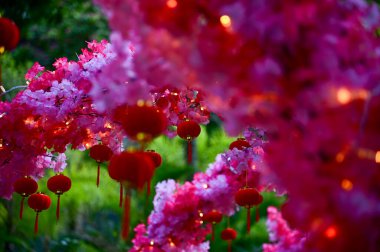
(343, 95)
(205, 186)
(225, 21)
(171, 4)
(340, 157)
(377, 157)
(346, 184)
(331, 232)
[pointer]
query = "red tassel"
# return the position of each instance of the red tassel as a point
(229, 245)
(36, 224)
(125, 225)
(148, 188)
(189, 152)
(58, 206)
(22, 207)
(248, 220)
(98, 177)
(213, 232)
(257, 214)
(121, 196)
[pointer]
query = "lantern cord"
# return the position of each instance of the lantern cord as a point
(229, 245)
(257, 214)
(148, 187)
(121, 196)
(98, 177)
(36, 224)
(125, 225)
(189, 152)
(248, 219)
(58, 206)
(22, 207)
(246, 178)
(212, 232)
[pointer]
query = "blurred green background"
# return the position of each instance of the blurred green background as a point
(90, 216)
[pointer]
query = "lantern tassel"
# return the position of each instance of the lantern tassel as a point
(257, 214)
(22, 207)
(213, 232)
(229, 246)
(98, 177)
(121, 196)
(125, 225)
(36, 224)
(189, 152)
(58, 207)
(248, 219)
(148, 187)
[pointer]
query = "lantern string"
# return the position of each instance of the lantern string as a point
(257, 214)
(148, 187)
(126, 219)
(22, 207)
(121, 196)
(246, 178)
(229, 245)
(98, 177)
(58, 207)
(248, 219)
(212, 232)
(36, 224)
(189, 152)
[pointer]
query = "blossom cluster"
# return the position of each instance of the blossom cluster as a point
(283, 238)
(306, 71)
(175, 223)
(53, 112)
(180, 105)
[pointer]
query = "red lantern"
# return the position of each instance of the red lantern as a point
(100, 153)
(38, 202)
(239, 144)
(132, 170)
(59, 184)
(157, 160)
(248, 197)
(142, 122)
(25, 186)
(212, 217)
(229, 234)
(9, 34)
(188, 130)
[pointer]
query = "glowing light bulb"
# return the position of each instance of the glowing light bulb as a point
(140, 103)
(225, 21)
(171, 4)
(343, 95)
(151, 242)
(331, 232)
(340, 157)
(205, 186)
(346, 184)
(377, 157)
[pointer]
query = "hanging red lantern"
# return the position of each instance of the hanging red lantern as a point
(229, 234)
(212, 217)
(239, 144)
(248, 197)
(142, 122)
(157, 160)
(132, 170)
(25, 186)
(100, 153)
(188, 130)
(38, 202)
(59, 184)
(9, 34)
